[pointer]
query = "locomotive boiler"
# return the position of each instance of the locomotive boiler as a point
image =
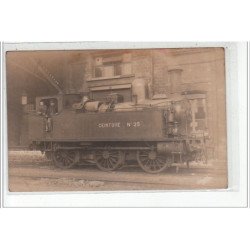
(72, 129)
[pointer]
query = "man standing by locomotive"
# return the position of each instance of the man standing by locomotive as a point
(43, 111)
(52, 110)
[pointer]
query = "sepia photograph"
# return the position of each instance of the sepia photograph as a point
(123, 124)
(116, 119)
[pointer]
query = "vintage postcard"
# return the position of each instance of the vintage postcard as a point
(117, 119)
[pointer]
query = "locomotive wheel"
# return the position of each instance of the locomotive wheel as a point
(150, 161)
(109, 160)
(64, 159)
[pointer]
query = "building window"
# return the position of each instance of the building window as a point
(112, 65)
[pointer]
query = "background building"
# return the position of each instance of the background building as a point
(191, 71)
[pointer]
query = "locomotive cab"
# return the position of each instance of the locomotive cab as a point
(58, 102)
(44, 103)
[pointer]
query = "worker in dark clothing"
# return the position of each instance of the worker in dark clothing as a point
(52, 110)
(43, 109)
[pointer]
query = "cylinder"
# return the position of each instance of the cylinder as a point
(139, 90)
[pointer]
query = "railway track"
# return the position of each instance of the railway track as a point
(121, 180)
(110, 182)
(33, 172)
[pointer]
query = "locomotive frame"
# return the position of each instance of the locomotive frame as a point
(112, 138)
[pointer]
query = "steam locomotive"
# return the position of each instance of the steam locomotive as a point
(73, 129)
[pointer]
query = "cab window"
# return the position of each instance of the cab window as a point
(48, 106)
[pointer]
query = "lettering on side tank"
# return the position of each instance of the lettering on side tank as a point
(119, 124)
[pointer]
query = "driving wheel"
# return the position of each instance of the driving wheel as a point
(65, 159)
(109, 160)
(150, 161)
